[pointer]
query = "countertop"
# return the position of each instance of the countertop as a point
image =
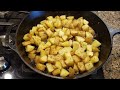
(112, 68)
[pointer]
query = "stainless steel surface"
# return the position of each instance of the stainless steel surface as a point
(3, 63)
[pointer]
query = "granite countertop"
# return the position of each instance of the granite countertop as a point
(112, 68)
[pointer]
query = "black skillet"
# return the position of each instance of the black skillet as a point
(103, 34)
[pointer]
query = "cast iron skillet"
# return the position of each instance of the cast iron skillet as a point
(34, 17)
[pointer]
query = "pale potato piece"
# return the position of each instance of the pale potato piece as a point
(63, 63)
(50, 17)
(96, 43)
(76, 59)
(81, 33)
(26, 37)
(89, 66)
(67, 32)
(63, 17)
(25, 43)
(94, 59)
(49, 23)
(52, 40)
(80, 52)
(79, 39)
(53, 50)
(66, 44)
(85, 27)
(81, 66)
(65, 50)
(49, 67)
(43, 59)
(56, 72)
(64, 73)
(70, 17)
(83, 45)
(42, 53)
(64, 37)
(88, 35)
(75, 68)
(59, 57)
(91, 31)
(87, 59)
(40, 67)
(51, 58)
(89, 48)
(85, 22)
(71, 72)
(58, 64)
(29, 48)
(76, 45)
(75, 22)
(49, 32)
(33, 52)
(48, 44)
(61, 33)
(89, 53)
(58, 23)
(41, 46)
(95, 49)
(37, 40)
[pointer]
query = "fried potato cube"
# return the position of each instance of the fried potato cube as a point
(81, 33)
(37, 59)
(84, 45)
(33, 52)
(40, 67)
(89, 53)
(85, 22)
(50, 17)
(56, 72)
(51, 58)
(64, 73)
(95, 49)
(59, 57)
(89, 40)
(96, 43)
(96, 54)
(25, 43)
(73, 32)
(58, 64)
(80, 24)
(61, 33)
(89, 66)
(41, 47)
(75, 22)
(42, 35)
(85, 27)
(57, 40)
(67, 25)
(29, 48)
(43, 59)
(88, 34)
(81, 54)
(47, 51)
(94, 59)
(52, 40)
(81, 66)
(65, 37)
(69, 60)
(71, 72)
(49, 32)
(63, 17)
(76, 45)
(31, 56)
(49, 67)
(70, 17)
(76, 59)
(34, 29)
(75, 68)
(53, 50)
(49, 23)
(79, 39)
(42, 53)
(48, 44)
(67, 32)
(58, 23)
(64, 22)
(26, 37)
(37, 40)
(89, 48)
(87, 59)
(63, 63)
(66, 44)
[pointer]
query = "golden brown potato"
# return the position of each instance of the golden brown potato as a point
(89, 66)
(85, 27)
(25, 43)
(59, 57)
(89, 40)
(43, 59)
(73, 32)
(58, 64)
(76, 45)
(95, 49)
(49, 32)
(37, 59)
(49, 67)
(81, 33)
(26, 37)
(29, 48)
(56, 72)
(42, 35)
(96, 54)
(47, 51)
(51, 58)
(63, 17)
(71, 72)
(64, 73)
(63, 63)
(96, 43)
(94, 59)
(81, 66)
(76, 59)
(75, 68)
(87, 59)
(40, 66)
(31, 56)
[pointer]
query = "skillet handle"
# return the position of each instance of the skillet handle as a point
(10, 42)
(113, 32)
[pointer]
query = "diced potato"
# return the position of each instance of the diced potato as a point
(37, 59)
(84, 45)
(42, 35)
(76, 59)
(74, 32)
(85, 27)
(59, 57)
(63, 63)
(94, 59)
(81, 33)
(81, 66)
(26, 37)
(89, 66)
(41, 46)
(89, 48)
(58, 23)
(42, 53)
(56, 72)
(63, 17)
(33, 52)
(64, 73)
(82, 55)
(75, 22)
(75, 68)
(49, 67)
(58, 64)
(65, 50)
(50, 17)
(89, 53)
(40, 67)
(31, 56)
(47, 51)
(48, 44)
(96, 54)
(76, 45)
(43, 59)
(49, 32)
(87, 59)
(52, 40)
(49, 23)
(85, 22)
(95, 49)
(25, 43)
(79, 39)
(64, 37)
(61, 33)
(51, 58)
(53, 50)
(70, 17)
(96, 43)
(29, 48)
(89, 40)
(67, 25)
(66, 44)
(37, 40)
(57, 40)
(88, 35)
(69, 60)
(80, 24)
(67, 32)
(71, 72)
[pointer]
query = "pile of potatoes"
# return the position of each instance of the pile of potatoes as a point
(62, 45)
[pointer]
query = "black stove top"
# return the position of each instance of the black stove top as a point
(15, 68)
